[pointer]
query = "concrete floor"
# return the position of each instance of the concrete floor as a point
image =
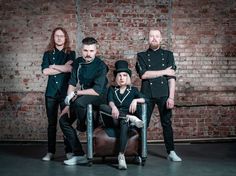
(200, 159)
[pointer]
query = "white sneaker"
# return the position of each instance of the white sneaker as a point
(136, 121)
(76, 160)
(173, 156)
(69, 155)
(121, 161)
(48, 157)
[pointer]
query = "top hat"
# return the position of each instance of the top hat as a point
(122, 66)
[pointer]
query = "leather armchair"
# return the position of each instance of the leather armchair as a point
(100, 144)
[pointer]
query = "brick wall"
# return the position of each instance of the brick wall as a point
(200, 33)
(204, 45)
(26, 26)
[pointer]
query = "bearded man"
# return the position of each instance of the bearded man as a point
(156, 67)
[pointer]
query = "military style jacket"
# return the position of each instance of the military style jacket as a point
(151, 60)
(123, 101)
(57, 84)
(89, 75)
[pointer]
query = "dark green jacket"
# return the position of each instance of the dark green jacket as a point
(90, 75)
(57, 84)
(123, 101)
(151, 60)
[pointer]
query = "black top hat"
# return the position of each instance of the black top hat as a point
(122, 66)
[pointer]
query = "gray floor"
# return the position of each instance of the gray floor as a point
(202, 159)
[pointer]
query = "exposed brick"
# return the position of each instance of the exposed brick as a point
(200, 33)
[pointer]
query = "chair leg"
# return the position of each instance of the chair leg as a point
(90, 163)
(90, 134)
(143, 161)
(137, 160)
(144, 132)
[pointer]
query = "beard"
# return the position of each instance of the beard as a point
(59, 44)
(154, 46)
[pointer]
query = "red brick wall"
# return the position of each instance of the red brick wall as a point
(204, 44)
(200, 33)
(26, 26)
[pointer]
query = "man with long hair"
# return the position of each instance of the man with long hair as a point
(156, 67)
(57, 65)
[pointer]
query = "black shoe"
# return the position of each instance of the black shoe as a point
(137, 160)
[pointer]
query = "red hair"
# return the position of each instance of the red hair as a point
(51, 46)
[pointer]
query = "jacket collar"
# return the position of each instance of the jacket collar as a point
(151, 50)
(126, 93)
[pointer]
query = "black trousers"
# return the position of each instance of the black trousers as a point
(78, 110)
(120, 123)
(165, 117)
(52, 105)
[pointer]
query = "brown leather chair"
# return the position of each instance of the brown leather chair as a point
(102, 141)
